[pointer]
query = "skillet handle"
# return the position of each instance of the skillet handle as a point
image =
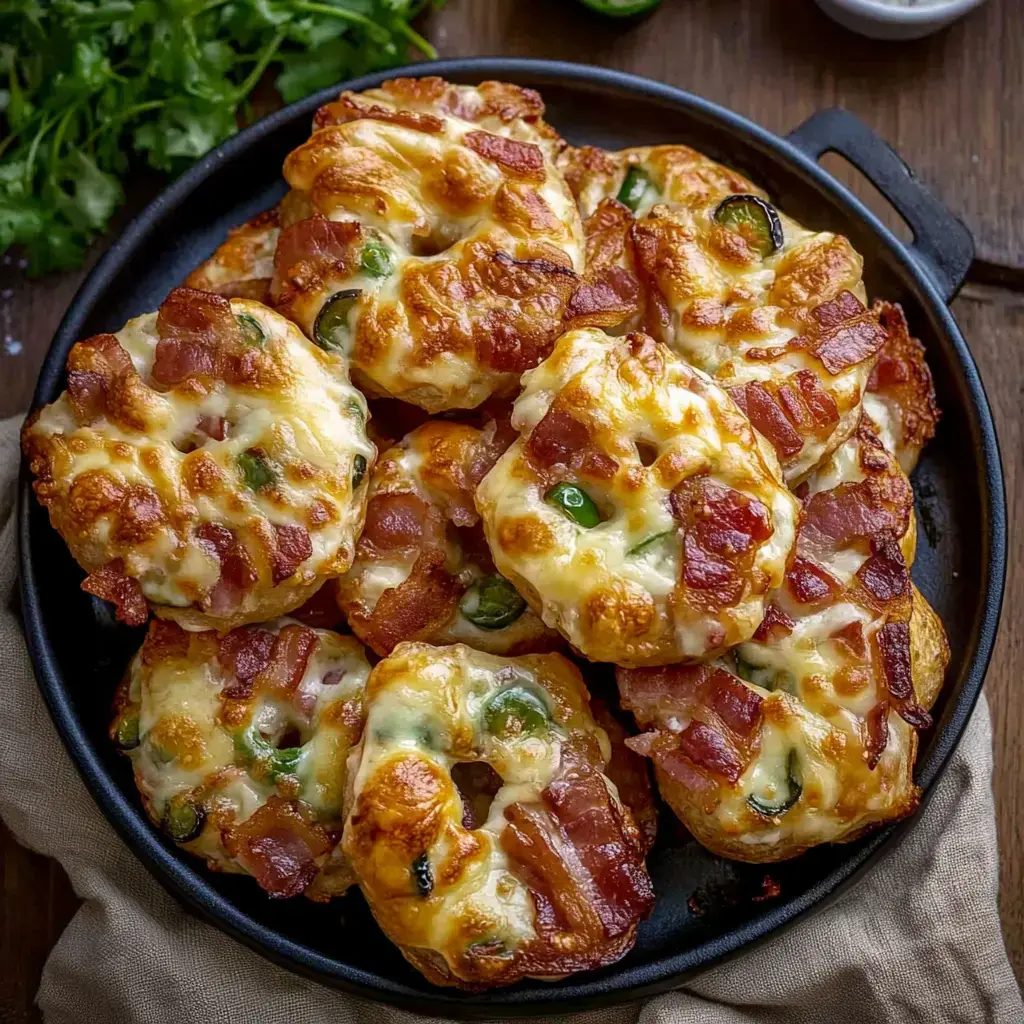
(942, 244)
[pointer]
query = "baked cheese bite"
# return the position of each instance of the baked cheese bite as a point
(239, 745)
(422, 569)
(487, 839)
(807, 733)
(696, 255)
(437, 255)
(206, 460)
(900, 395)
(638, 512)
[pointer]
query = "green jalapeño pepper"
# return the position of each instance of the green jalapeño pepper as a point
(256, 751)
(492, 603)
(331, 331)
(514, 712)
(252, 333)
(787, 794)
(126, 729)
(183, 819)
(634, 187)
(255, 469)
(575, 503)
(376, 259)
(754, 220)
(358, 470)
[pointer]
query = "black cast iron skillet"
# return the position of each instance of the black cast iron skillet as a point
(706, 907)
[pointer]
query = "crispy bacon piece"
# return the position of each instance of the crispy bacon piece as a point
(349, 107)
(877, 733)
(852, 512)
(289, 656)
(279, 846)
(722, 529)
(809, 583)
(893, 643)
(93, 367)
(196, 329)
(522, 159)
(768, 416)
(775, 625)
(164, 640)
(124, 592)
(421, 603)
(807, 405)
(845, 333)
(293, 548)
(561, 440)
(244, 652)
(237, 572)
(709, 749)
(311, 250)
(885, 575)
(394, 521)
(214, 427)
(851, 636)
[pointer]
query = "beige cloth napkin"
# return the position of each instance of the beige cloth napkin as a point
(918, 940)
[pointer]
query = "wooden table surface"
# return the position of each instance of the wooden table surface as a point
(951, 105)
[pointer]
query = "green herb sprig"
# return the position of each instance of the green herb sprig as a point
(88, 87)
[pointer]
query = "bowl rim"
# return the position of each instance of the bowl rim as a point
(616, 985)
(897, 14)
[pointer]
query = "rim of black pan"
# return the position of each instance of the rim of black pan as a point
(616, 984)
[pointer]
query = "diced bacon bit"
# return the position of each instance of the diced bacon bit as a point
(420, 604)
(293, 647)
(93, 366)
(893, 643)
(845, 333)
(214, 427)
(244, 653)
(851, 512)
(237, 572)
(124, 592)
(293, 548)
(809, 583)
(196, 329)
(280, 847)
(321, 611)
(877, 733)
(722, 529)
(164, 640)
(708, 749)
(807, 405)
(592, 823)
(775, 626)
(628, 771)
(313, 249)
(394, 522)
(768, 416)
(561, 440)
(603, 299)
(851, 636)
(678, 767)
(522, 159)
(738, 706)
(885, 575)
(647, 692)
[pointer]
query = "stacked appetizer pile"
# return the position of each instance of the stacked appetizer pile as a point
(626, 411)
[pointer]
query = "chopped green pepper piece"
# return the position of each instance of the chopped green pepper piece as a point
(377, 259)
(492, 603)
(782, 803)
(634, 187)
(575, 503)
(255, 469)
(183, 819)
(126, 732)
(645, 546)
(754, 220)
(422, 876)
(331, 331)
(490, 947)
(515, 711)
(255, 750)
(252, 333)
(358, 470)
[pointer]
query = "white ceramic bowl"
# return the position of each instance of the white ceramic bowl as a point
(879, 20)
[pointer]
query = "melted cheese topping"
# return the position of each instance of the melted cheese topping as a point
(614, 602)
(427, 711)
(302, 415)
(731, 312)
(196, 740)
(479, 251)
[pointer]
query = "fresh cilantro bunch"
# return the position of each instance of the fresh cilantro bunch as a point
(89, 86)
